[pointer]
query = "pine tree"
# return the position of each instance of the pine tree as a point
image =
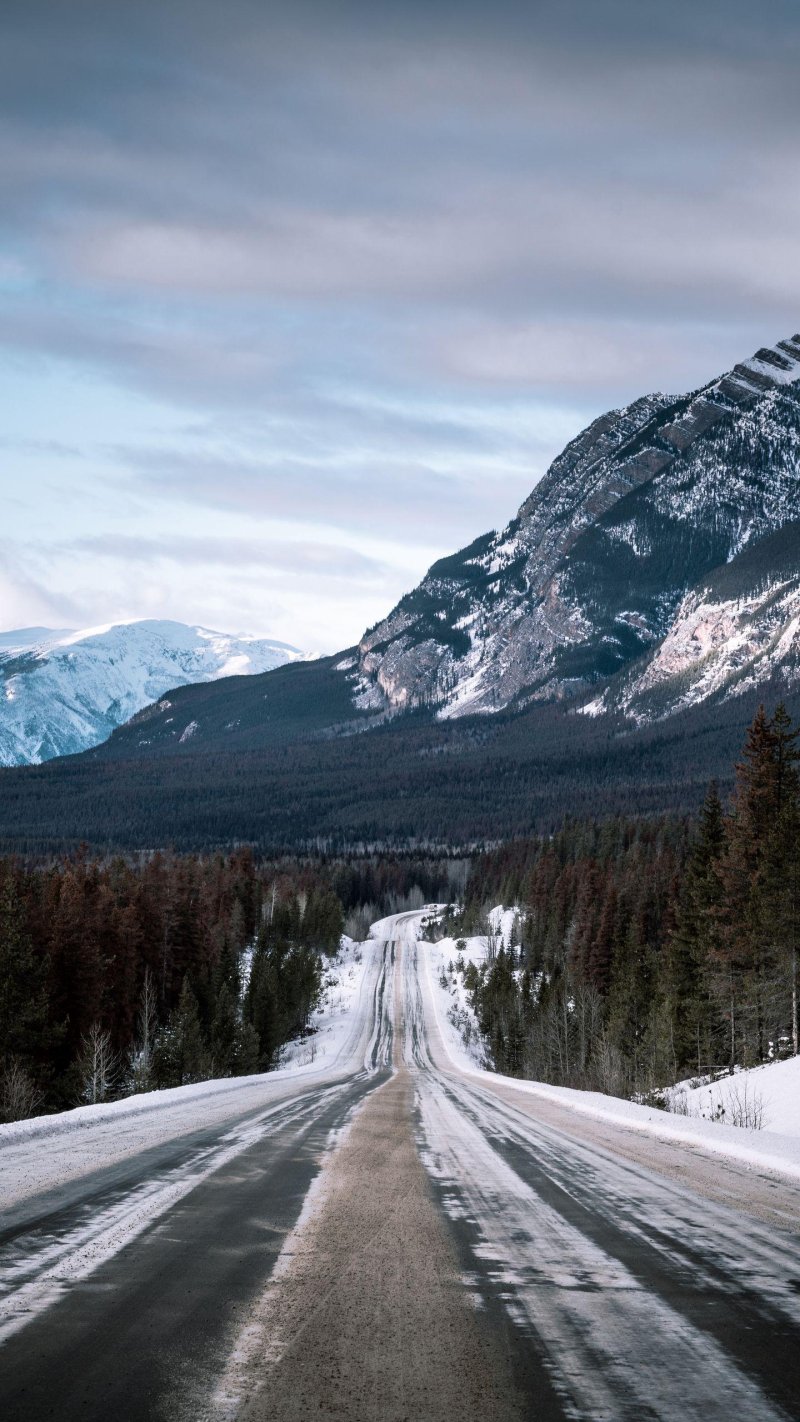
(246, 1051)
(779, 883)
(689, 956)
(23, 991)
(262, 1006)
(224, 1033)
(747, 952)
(180, 1055)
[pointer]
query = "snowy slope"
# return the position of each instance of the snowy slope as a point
(767, 1096)
(634, 515)
(61, 692)
(737, 631)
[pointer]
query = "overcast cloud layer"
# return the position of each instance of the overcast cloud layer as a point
(297, 297)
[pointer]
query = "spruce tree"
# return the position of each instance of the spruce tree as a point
(180, 1055)
(23, 990)
(262, 1008)
(224, 1033)
(690, 951)
(779, 884)
(746, 951)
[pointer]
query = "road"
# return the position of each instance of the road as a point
(388, 1238)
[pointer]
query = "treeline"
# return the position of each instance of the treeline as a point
(650, 950)
(412, 784)
(121, 975)
(117, 977)
(372, 886)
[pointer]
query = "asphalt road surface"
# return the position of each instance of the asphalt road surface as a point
(388, 1238)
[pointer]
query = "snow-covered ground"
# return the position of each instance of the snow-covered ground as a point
(348, 981)
(54, 1150)
(768, 1095)
(776, 1087)
(331, 1023)
(455, 1015)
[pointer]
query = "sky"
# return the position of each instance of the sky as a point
(297, 297)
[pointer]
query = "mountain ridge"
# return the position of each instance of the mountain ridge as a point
(517, 613)
(655, 589)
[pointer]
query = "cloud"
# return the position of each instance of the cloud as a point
(377, 263)
(382, 495)
(266, 558)
(26, 600)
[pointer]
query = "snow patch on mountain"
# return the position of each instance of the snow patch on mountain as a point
(716, 646)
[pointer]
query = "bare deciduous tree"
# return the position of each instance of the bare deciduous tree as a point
(20, 1097)
(97, 1064)
(146, 1028)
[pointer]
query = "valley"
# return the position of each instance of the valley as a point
(602, 654)
(245, 1266)
(399, 712)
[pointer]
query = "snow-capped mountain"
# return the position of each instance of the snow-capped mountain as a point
(63, 691)
(621, 550)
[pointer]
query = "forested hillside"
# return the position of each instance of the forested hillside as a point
(409, 783)
(121, 976)
(650, 950)
(647, 948)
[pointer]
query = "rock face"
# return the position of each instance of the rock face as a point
(602, 561)
(62, 692)
(736, 632)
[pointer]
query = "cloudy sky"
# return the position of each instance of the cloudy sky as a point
(297, 297)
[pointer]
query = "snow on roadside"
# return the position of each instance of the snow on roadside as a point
(770, 1093)
(456, 1014)
(453, 1009)
(775, 1149)
(334, 1023)
(331, 1023)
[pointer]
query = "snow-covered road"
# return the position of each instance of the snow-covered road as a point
(635, 1298)
(141, 1260)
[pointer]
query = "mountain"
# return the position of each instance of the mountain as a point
(609, 555)
(739, 630)
(651, 581)
(63, 691)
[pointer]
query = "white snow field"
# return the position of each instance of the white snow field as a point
(770, 1093)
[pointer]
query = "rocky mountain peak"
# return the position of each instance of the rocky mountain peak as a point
(591, 572)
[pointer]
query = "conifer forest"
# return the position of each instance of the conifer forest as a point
(651, 949)
(646, 949)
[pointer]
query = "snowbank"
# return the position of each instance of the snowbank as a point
(776, 1148)
(771, 1093)
(333, 1024)
(453, 1010)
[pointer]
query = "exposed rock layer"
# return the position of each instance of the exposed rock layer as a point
(591, 575)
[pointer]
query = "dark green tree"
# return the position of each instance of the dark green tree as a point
(180, 1054)
(23, 984)
(694, 1020)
